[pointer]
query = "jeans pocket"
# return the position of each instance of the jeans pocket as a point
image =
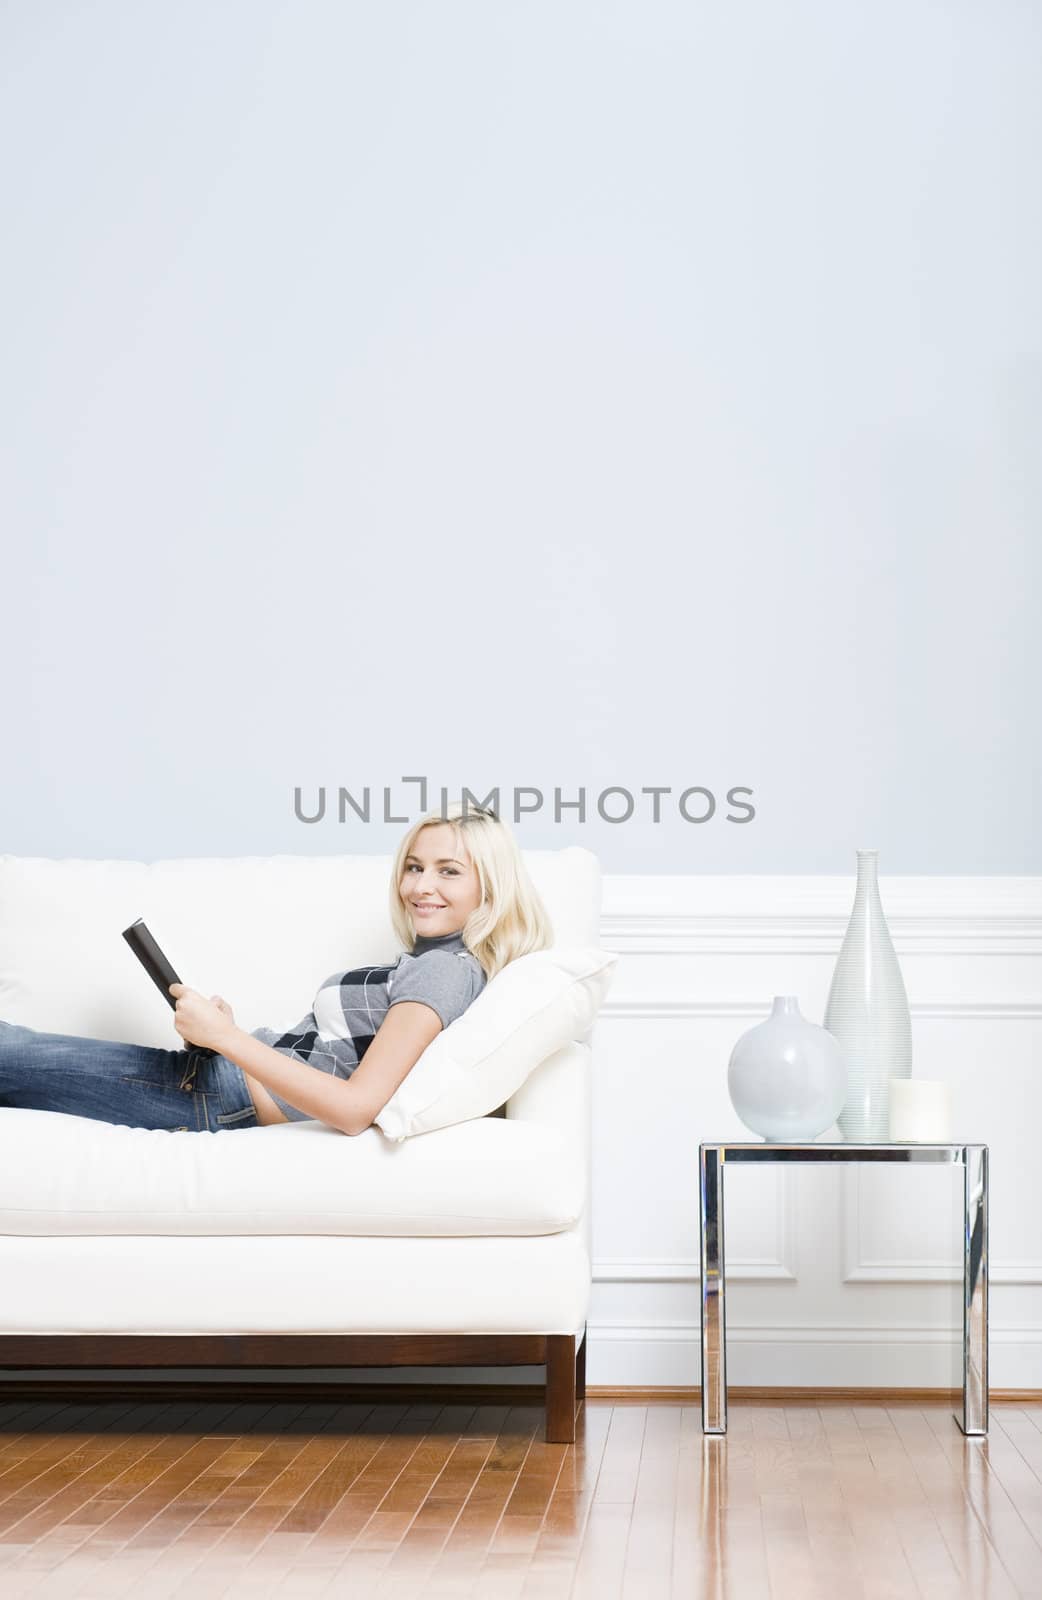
(229, 1118)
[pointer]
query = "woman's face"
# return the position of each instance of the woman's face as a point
(439, 886)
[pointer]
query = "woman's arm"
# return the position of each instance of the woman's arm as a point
(348, 1104)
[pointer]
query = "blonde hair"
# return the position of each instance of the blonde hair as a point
(511, 920)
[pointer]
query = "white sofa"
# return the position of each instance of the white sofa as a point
(293, 1246)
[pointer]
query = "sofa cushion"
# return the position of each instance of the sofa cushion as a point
(529, 1010)
(69, 1175)
(304, 1285)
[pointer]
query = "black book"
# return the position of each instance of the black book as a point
(158, 968)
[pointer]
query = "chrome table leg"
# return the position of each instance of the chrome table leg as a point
(714, 1347)
(974, 1419)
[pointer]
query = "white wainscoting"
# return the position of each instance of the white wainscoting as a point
(836, 1276)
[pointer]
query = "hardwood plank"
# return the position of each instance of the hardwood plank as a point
(141, 1534)
(278, 1555)
(346, 1501)
(602, 1558)
(984, 1490)
(75, 1548)
(830, 1537)
(737, 1466)
(62, 1521)
(208, 1548)
(23, 1421)
(922, 1541)
(783, 1526)
(560, 1538)
(273, 1547)
(409, 1570)
(515, 1537)
(99, 1559)
(1022, 1433)
(239, 1514)
(881, 1558)
(340, 1500)
(698, 1510)
(617, 1479)
(57, 1477)
(1008, 1464)
(649, 1549)
(75, 1428)
(462, 1556)
(367, 1527)
(602, 1554)
(330, 1518)
(976, 1560)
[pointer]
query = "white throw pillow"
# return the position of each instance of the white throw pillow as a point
(533, 1007)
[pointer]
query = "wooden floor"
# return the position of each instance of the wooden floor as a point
(282, 1498)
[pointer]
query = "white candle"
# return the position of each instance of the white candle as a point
(920, 1111)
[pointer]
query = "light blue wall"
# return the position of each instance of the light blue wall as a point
(554, 394)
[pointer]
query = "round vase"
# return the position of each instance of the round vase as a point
(867, 1012)
(786, 1077)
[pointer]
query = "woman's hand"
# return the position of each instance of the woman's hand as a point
(201, 1021)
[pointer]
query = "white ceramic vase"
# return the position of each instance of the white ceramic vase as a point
(786, 1077)
(867, 1012)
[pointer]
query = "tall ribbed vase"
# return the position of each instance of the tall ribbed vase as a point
(867, 1012)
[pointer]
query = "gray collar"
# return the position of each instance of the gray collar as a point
(445, 941)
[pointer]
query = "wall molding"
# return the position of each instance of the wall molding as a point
(671, 1009)
(684, 914)
(781, 1267)
(665, 1332)
(856, 1267)
(910, 1271)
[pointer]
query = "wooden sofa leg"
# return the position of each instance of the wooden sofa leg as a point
(580, 1369)
(560, 1388)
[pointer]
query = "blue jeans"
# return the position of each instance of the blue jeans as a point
(136, 1084)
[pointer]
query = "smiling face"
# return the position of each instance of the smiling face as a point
(439, 886)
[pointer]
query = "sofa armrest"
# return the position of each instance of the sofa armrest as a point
(558, 1094)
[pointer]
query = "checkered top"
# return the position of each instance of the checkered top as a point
(350, 1006)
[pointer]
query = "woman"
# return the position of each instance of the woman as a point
(463, 906)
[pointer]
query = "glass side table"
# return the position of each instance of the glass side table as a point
(974, 1161)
